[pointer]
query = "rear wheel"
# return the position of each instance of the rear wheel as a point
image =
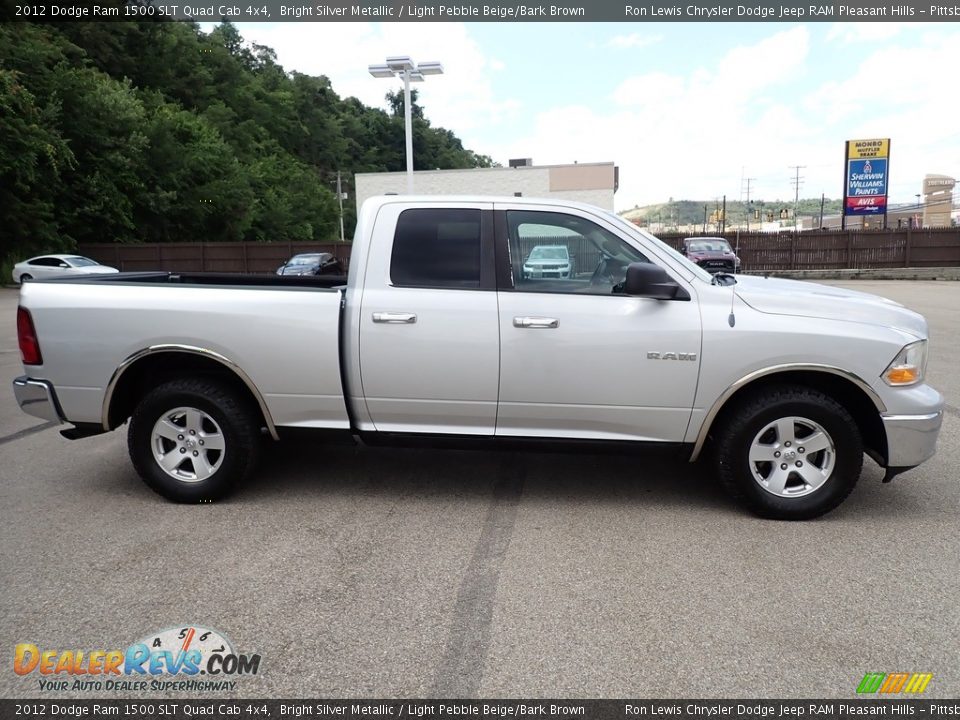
(790, 453)
(25, 277)
(193, 440)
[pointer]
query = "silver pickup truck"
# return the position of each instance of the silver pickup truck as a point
(444, 331)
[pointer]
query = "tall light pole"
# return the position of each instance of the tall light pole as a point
(403, 66)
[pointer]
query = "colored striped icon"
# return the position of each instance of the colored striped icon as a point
(892, 683)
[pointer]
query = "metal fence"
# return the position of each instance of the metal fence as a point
(759, 252)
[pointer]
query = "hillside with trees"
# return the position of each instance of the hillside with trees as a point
(158, 132)
(685, 213)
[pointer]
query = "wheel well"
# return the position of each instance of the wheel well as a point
(844, 391)
(155, 369)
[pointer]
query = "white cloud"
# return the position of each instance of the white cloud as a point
(462, 99)
(752, 111)
(633, 40)
(698, 133)
(900, 93)
(857, 32)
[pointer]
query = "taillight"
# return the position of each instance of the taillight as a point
(27, 335)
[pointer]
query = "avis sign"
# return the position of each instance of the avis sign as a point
(867, 172)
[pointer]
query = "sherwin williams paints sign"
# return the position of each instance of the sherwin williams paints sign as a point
(867, 163)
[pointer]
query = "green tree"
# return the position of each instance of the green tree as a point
(33, 157)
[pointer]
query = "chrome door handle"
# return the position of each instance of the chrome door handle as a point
(394, 317)
(535, 322)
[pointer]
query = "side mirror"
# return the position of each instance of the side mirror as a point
(63, 265)
(651, 281)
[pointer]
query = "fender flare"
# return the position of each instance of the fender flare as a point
(192, 350)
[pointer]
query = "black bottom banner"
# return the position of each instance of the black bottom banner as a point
(479, 709)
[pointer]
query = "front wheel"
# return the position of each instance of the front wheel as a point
(193, 440)
(790, 453)
(26, 277)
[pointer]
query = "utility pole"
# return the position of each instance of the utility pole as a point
(822, 198)
(704, 219)
(796, 180)
(340, 198)
(723, 221)
(747, 206)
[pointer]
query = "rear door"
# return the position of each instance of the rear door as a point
(578, 359)
(429, 340)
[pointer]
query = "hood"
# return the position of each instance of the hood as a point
(547, 261)
(805, 299)
(710, 254)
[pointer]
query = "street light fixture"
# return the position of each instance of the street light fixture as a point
(403, 66)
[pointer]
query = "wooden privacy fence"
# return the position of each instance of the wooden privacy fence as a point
(841, 249)
(230, 257)
(759, 252)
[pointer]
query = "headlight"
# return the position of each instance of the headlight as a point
(909, 366)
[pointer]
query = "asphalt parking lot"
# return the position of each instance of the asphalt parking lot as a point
(359, 572)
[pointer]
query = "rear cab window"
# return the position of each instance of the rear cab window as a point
(438, 248)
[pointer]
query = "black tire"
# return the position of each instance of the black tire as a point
(739, 427)
(25, 278)
(227, 417)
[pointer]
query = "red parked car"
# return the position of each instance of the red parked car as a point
(713, 254)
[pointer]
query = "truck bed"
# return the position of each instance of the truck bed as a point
(281, 332)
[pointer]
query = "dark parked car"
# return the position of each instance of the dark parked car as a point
(311, 264)
(713, 254)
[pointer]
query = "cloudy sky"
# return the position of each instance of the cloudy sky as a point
(687, 110)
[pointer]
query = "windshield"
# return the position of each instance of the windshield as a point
(304, 260)
(708, 246)
(80, 261)
(548, 253)
(680, 258)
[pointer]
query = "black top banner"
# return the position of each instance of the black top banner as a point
(493, 709)
(482, 11)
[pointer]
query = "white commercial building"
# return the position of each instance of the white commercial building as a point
(593, 183)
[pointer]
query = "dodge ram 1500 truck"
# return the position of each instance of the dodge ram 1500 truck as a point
(438, 332)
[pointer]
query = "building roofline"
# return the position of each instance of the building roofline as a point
(402, 173)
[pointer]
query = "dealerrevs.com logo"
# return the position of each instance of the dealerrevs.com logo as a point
(182, 658)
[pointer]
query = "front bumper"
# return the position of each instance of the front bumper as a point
(37, 398)
(911, 439)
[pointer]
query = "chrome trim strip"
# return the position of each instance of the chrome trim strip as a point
(750, 377)
(153, 349)
(925, 416)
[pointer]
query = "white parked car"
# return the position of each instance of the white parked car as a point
(547, 261)
(45, 267)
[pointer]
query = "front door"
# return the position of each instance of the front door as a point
(577, 358)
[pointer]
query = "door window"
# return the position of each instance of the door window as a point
(437, 248)
(559, 253)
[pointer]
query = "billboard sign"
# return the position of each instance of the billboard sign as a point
(867, 165)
